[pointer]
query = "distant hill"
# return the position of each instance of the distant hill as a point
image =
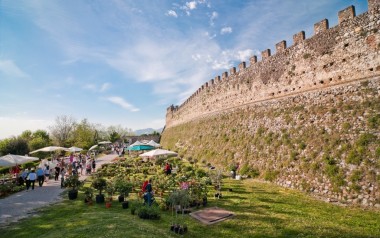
(147, 131)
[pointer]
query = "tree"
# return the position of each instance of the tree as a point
(41, 134)
(17, 146)
(114, 136)
(117, 132)
(84, 134)
(62, 130)
(27, 135)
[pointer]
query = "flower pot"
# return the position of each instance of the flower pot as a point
(108, 204)
(100, 198)
(125, 204)
(73, 194)
(121, 198)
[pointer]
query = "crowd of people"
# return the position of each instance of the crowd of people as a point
(59, 168)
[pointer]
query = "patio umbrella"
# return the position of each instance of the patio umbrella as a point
(158, 152)
(49, 149)
(12, 160)
(93, 147)
(75, 149)
(104, 142)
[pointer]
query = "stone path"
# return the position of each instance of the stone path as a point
(23, 204)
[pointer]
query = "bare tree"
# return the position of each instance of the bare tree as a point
(63, 128)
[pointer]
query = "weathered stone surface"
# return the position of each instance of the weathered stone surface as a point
(336, 71)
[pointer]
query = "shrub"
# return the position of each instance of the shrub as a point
(302, 145)
(353, 157)
(365, 139)
(270, 175)
(293, 155)
(149, 212)
(356, 176)
(374, 122)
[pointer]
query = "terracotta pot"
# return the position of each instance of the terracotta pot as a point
(108, 204)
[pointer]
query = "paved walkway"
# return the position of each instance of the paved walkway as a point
(23, 204)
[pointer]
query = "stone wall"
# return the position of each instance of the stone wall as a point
(307, 117)
(346, 52)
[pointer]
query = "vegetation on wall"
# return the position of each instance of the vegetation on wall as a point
(308, 144)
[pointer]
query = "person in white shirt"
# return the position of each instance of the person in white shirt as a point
(32, 179)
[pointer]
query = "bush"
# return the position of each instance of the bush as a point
(374, 122)
(270, 175)
(149, 212)
(353, 157)
(365, 139)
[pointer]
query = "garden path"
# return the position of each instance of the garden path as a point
(24, 204)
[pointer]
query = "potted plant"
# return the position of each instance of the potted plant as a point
(99, 184)
(180, 200)
(74, 183)
(124, 187)
(88, 193)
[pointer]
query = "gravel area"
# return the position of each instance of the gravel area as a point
(24, 204)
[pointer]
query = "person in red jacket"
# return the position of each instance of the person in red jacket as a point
(168, 169)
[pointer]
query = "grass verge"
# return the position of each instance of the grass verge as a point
(262, 210)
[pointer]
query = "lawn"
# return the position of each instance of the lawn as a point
(262, 210)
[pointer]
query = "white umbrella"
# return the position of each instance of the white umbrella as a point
(93, 147)
(50, 149)
(75, 149)
(158, 152)
(104, 142)
(12, 160)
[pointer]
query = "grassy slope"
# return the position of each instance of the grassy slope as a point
(262, 210)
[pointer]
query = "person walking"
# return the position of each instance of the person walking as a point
(56, 172)
(93, 165)
(32, 179)
(47, 173)
(40, 176)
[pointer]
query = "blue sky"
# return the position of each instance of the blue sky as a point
(123, 62)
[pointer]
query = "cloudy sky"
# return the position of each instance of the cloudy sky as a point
(125, 61)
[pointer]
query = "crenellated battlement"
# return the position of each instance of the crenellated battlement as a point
(337, 55)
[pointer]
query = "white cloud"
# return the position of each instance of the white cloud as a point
(104, 87)
(191, 5)
(225, 30)
(9, 68)
(171, 13)
(210, 36)
(213, 16)
(244, 55)
(124, 104)
(92, 87)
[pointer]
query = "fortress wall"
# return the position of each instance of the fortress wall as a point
(346, 52)
(306, 116)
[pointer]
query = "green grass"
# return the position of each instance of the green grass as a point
(262, 210)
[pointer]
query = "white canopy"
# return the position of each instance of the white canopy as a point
(136, 143)
(12, 160)
(50, 149)
(93, 147)
(153, 143)
(104, 142)
(75, 149)
(158, 152)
